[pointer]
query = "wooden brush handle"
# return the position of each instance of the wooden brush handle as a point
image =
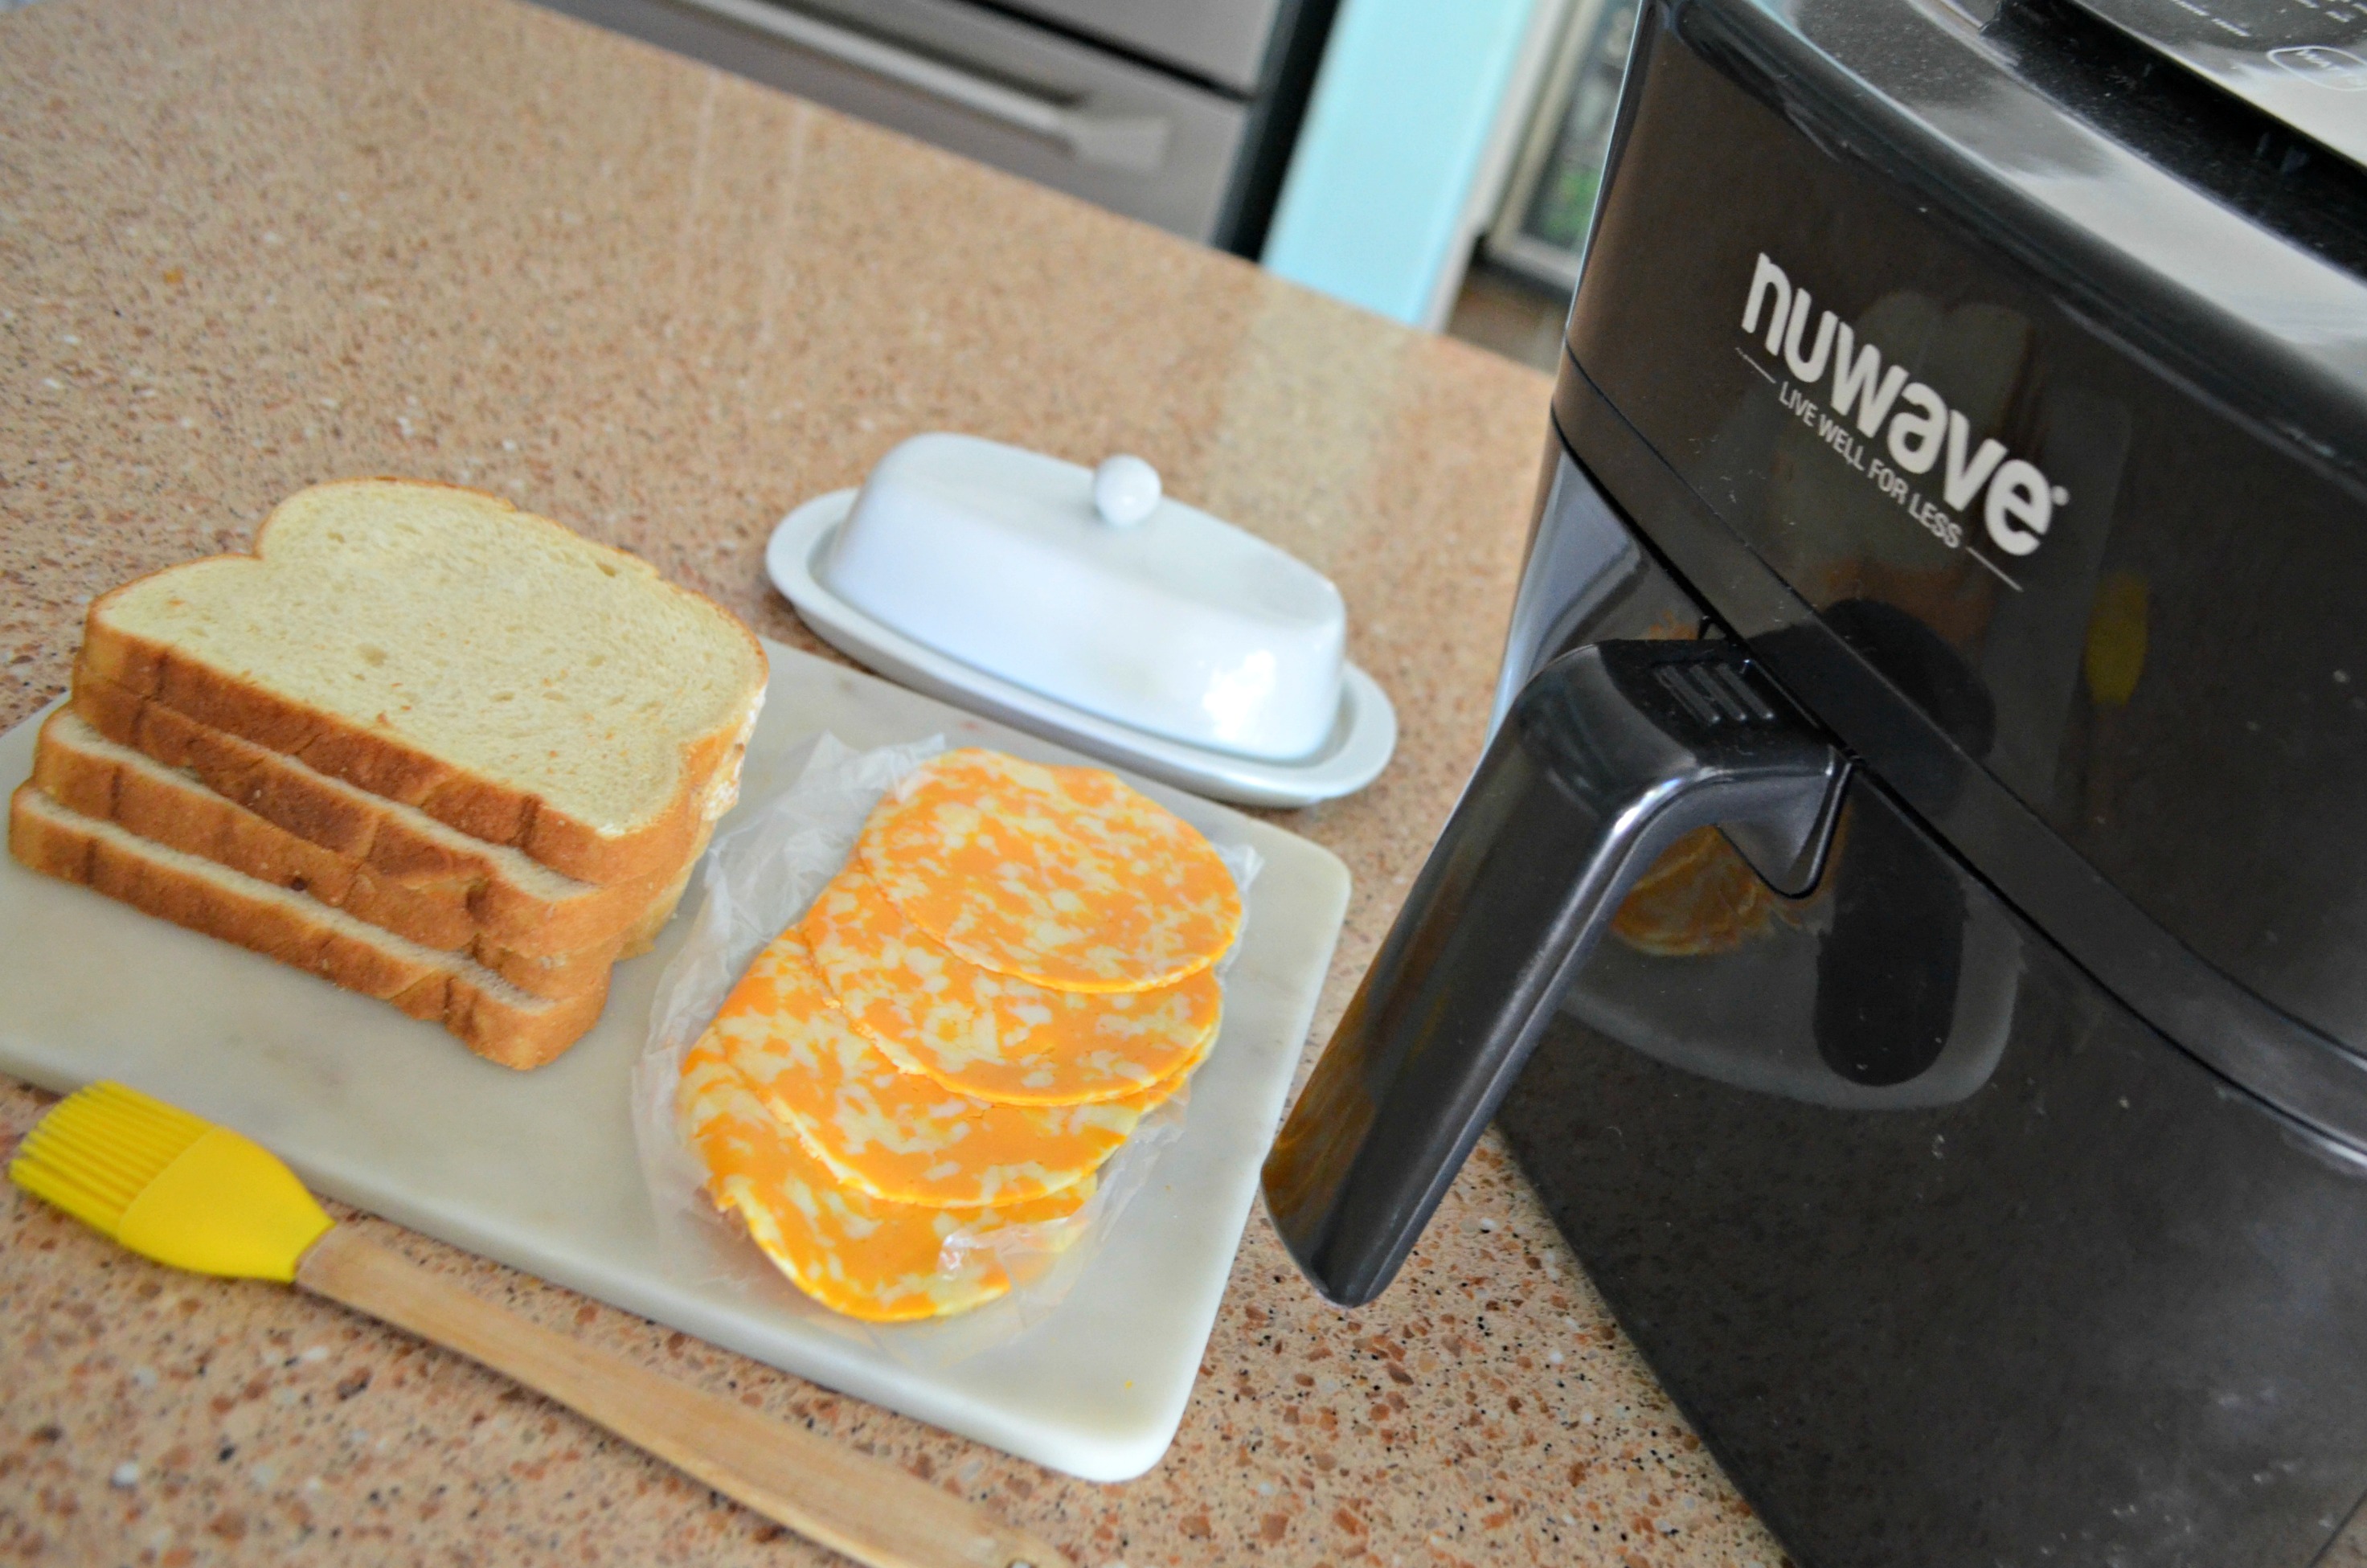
(871, 1511)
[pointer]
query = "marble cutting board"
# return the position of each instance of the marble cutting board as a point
(538, 1170)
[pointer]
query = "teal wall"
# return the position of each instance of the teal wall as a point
(1373, 208)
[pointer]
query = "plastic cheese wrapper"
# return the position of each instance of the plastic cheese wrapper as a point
(758, 880)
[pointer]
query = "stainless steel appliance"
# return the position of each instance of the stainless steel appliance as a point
(1910, 921)
(1178, 112)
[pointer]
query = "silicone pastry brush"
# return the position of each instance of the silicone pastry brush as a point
(176, 1188)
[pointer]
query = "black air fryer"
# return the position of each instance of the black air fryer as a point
(1911, 921)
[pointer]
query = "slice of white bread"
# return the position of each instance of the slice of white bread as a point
(442, 648)
(493, 1018)
(92, 777)
(504, 893)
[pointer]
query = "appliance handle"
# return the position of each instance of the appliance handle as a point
(1131, 143)
(1610, 754)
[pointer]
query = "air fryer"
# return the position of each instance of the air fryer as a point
(1908, 921)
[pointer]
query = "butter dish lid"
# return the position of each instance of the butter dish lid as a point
(1088, 607)
(1096, 590)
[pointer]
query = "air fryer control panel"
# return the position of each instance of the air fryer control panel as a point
(2301, 61)
(1989, 451)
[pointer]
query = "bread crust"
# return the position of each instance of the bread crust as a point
(179, 812)
(512, 1031)
(157, 673)
(372, 834)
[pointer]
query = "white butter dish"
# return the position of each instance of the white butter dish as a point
(1099, 614)
(1122, 603)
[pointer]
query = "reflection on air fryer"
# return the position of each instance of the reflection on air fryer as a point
(1885, 989)
(1847, 547)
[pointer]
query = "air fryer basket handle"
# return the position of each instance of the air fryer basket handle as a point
(1609, 754)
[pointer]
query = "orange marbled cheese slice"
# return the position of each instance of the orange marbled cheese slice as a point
(895, 1135)
(1062, 876)
(996, 1036)
(855, 1254)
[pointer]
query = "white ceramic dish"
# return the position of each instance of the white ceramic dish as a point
(1362, 738)
(537, 1169)
(1093, 588)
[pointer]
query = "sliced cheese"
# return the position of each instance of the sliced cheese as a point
(895, 1135)
(995, 1036)
(878, 1261)
(1062, 876)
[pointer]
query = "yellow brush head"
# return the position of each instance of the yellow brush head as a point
(169, 1186)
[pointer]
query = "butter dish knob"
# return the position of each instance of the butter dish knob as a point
(1126, 491)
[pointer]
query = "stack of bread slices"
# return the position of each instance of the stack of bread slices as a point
(424, 744)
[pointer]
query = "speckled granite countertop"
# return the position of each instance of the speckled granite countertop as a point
(245, 245)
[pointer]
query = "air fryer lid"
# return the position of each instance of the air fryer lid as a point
(2301, 62)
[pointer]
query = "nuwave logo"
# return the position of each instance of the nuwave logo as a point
(1923, 432)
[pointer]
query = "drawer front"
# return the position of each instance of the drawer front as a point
(1225, 41)
(1035, 103)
